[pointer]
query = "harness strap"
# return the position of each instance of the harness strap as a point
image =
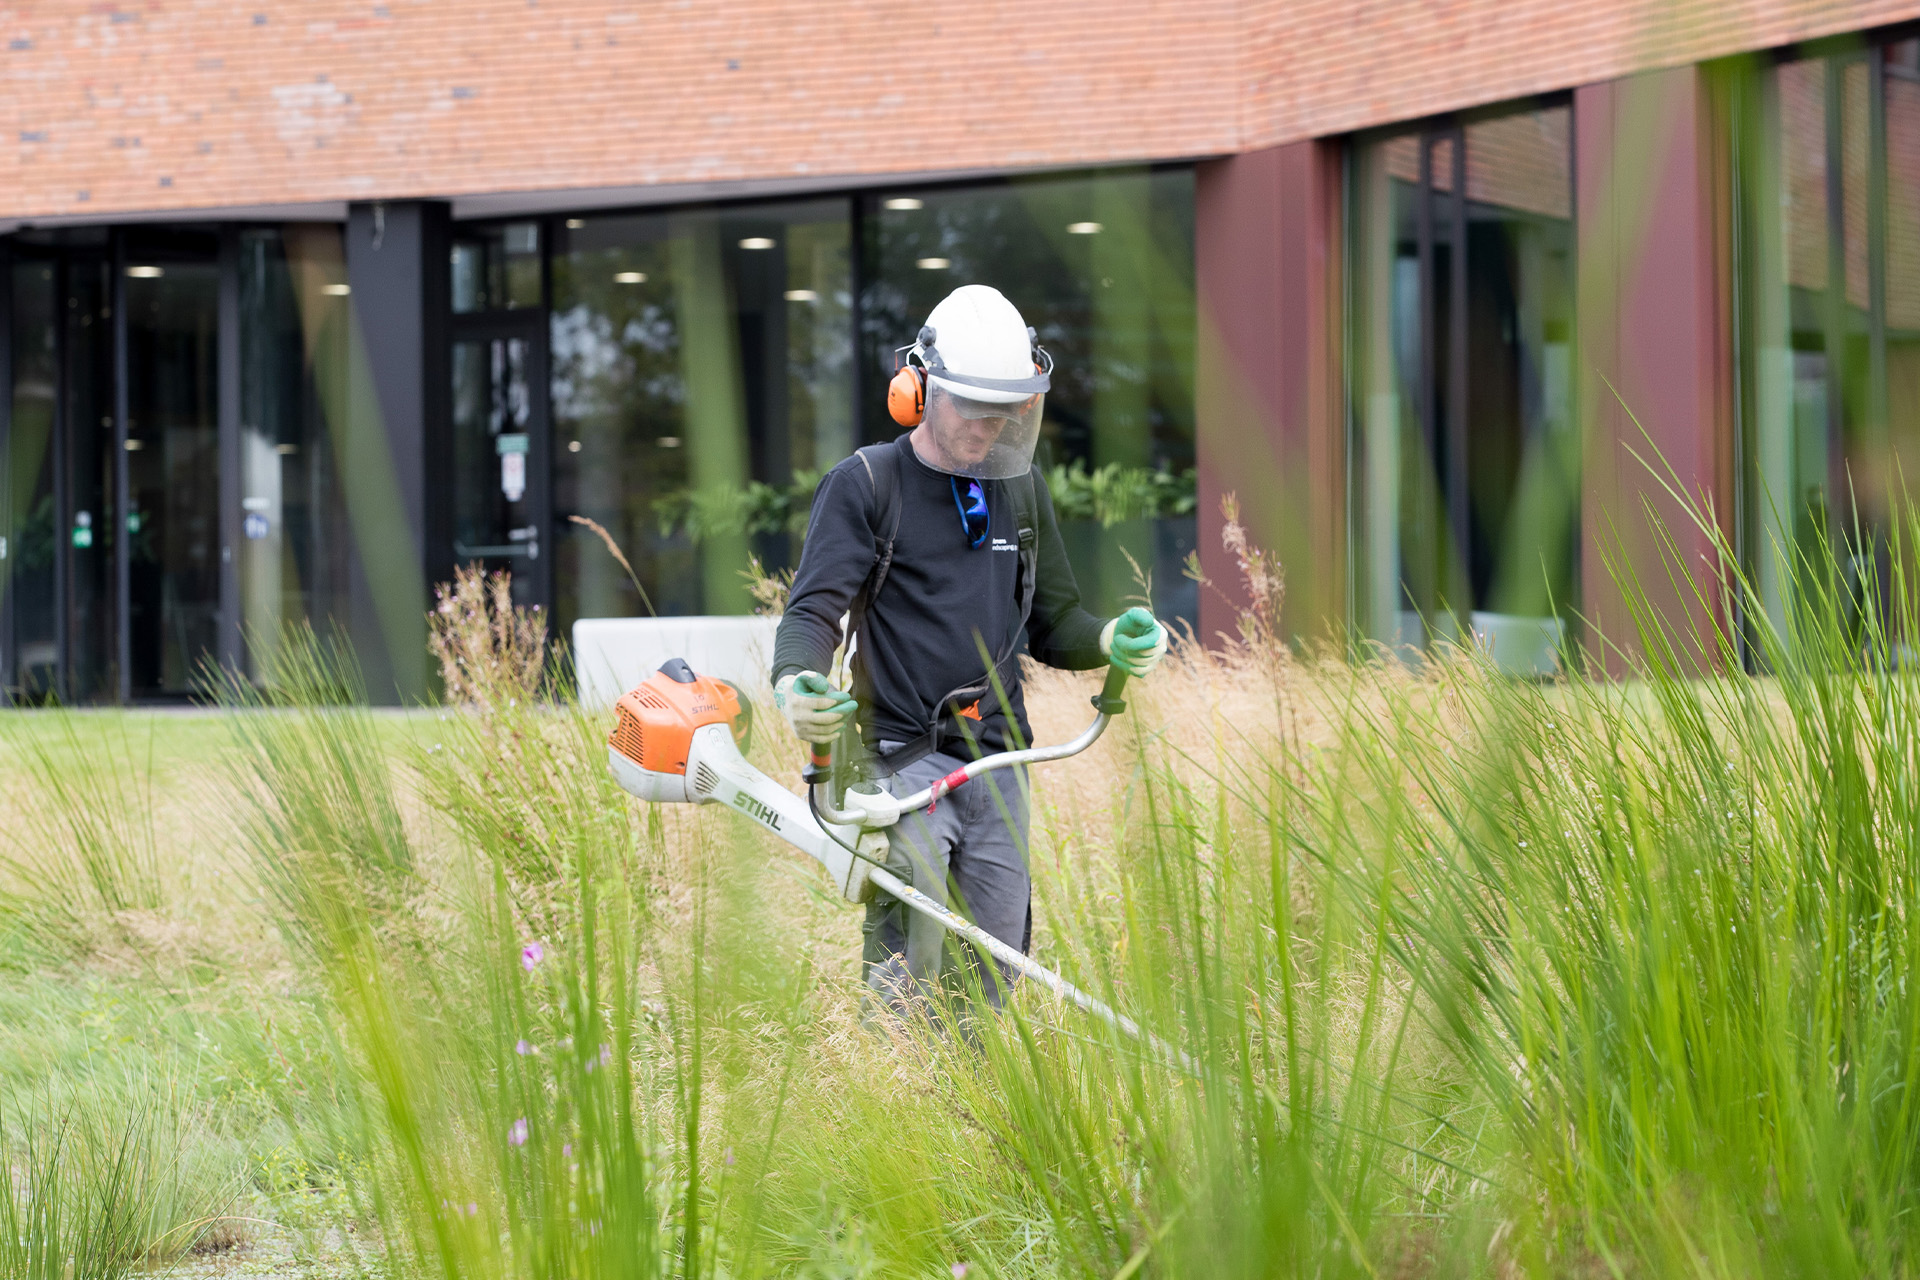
(882, 462)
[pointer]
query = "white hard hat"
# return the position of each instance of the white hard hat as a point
(976, 345)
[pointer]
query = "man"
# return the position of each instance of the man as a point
(944, 550)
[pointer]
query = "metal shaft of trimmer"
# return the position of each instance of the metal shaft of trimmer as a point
(834, 759)
(892, 884)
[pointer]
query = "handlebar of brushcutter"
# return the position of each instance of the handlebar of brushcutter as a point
(827, 757)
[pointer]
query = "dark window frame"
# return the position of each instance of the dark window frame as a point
(1429, 131)
(1749, 102)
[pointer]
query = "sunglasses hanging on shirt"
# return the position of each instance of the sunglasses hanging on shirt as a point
(972, 503)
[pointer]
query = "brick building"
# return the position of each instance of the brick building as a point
(303, 304)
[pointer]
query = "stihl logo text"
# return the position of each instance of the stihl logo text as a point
(755, 810)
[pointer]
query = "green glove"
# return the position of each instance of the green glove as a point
(1134, 642)
(814, 708)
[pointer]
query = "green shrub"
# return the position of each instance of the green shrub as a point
(1113, 493)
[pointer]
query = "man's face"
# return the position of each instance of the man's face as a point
(963, 442)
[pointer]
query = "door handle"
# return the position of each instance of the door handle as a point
(529, 549)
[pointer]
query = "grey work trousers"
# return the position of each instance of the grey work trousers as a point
(969, 854)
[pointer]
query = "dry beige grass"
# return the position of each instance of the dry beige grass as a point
(1204, 717)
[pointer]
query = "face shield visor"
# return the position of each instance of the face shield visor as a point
(987, 439)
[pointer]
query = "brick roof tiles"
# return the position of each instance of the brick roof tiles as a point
(179, 104)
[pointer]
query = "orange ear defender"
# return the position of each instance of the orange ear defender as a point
(907, 396)
(907, 393)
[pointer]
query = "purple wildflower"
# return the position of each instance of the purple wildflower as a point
(523, 1048)
(959, 1270)
(532, 954)
(517, 1134)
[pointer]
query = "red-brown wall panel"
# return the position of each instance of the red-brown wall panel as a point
(1268, 396)
(1655, 361)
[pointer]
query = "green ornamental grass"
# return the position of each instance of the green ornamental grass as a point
(1473, 976)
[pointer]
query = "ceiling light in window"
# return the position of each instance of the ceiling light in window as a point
(629, 277)
(802, 295)
(135, 446)
(1083, 228)
(668, 442)
(336, 290)
(903, 204)
(145, 273)
(573, 446)
(933, 264)
(756, 242)
(286, 450)
(574, 224)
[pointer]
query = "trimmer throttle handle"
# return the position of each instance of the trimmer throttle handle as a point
(1108, 701)
(819, 763)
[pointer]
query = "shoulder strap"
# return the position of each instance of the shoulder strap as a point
(882, 462)
(1026, 506)
(1026, 512)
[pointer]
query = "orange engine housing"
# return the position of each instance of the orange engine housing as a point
(654, 722)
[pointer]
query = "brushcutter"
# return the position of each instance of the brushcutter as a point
(677, 738)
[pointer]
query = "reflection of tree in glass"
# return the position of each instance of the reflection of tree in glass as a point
(617, 390)
(1102, 267)
(1114, 306)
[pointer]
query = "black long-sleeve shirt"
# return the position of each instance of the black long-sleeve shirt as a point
(942, 602)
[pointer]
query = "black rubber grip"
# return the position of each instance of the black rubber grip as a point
(1108, 701)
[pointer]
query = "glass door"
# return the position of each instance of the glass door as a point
(501, 505)
(113, 557)
(173, 560)
(501, 497)
(169, 492)
(58, 543)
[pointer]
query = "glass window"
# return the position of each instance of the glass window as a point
(1829, 201)
(701, 378)
(1466, 448)
(293, 550)
(496, 268)
(1102, 266)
